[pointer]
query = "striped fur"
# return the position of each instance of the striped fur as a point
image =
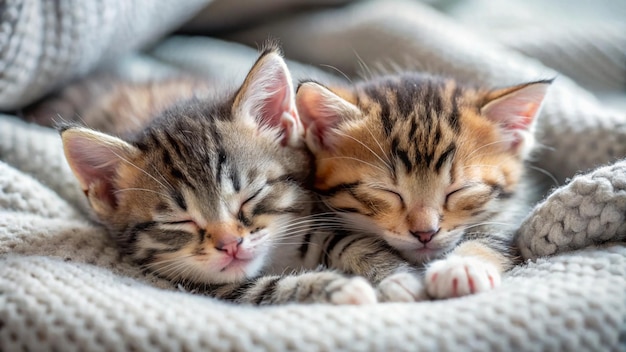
(208, 191)
(432, 166)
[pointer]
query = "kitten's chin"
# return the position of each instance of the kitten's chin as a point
(236, 270)
(421, 255)
(415, 252)
(216, 270)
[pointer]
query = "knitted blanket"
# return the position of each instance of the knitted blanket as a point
(63, 285)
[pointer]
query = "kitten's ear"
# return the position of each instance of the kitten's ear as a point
(94, 158)
(267, 97)
(515, 109)
(321, 110)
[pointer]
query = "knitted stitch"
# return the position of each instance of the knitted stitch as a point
(44, 43)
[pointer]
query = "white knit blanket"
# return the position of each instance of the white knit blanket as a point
(64, 287)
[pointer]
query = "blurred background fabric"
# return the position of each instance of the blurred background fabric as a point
(63, 285)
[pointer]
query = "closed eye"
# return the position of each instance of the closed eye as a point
(187, 225)
(254, 195)
(179, 222)
(470, 197)
(396, 194)
(455, 191)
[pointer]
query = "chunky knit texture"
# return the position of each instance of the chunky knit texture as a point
(44, 43)
(63, 285)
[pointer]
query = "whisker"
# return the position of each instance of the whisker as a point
(366, 147)
(359, 160)
(140, 189)
(389, 163)
(363, 65)
(487, 223)
(338, 70)
(305, 231)
(312, 222)
(140, 169)
(484, 146)
(547, 173)
(170, 260)
(160, 174)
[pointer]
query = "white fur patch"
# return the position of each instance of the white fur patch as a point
(456, 276)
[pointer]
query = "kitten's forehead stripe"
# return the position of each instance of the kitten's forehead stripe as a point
(449, 153)
(173, 144)
(221, 160)
(418, 114)
(436, 101)
(179, 199)
(385, 110)
(179, 175)
(234, 178)
(413, 130)
(401, 154)
(406, 98)
(167, 146)
(453, 117)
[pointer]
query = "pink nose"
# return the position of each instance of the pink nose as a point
(230, 247)
(424, 236)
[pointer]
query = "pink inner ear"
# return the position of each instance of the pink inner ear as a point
(269, 97)
(94, 163)
(313, 119)
(276, 103)
(320, 110)
(518, 109)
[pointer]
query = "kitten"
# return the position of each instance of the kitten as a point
(433, 167)
(208, 190)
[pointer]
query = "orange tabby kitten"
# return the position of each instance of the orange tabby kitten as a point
(434, 167)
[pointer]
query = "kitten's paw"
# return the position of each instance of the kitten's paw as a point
(354, 290)
(402, 287)
(457, 276)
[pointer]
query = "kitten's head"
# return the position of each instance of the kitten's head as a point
(418, 159)
(202, 193)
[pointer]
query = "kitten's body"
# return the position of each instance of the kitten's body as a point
(208, 190)
(433, 167)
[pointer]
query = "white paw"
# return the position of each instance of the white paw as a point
(354, 290)
(402, 287)
(457, 276)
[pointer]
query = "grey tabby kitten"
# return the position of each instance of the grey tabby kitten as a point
(208, 190)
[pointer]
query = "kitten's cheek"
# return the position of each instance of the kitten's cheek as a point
(255, 266)
(247, 254)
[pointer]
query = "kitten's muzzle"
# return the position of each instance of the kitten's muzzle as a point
(230, 246)
(424, 236)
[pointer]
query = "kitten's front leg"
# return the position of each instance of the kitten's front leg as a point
(402, 287)
(474, 266)
(310, 287)
(395, 279)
